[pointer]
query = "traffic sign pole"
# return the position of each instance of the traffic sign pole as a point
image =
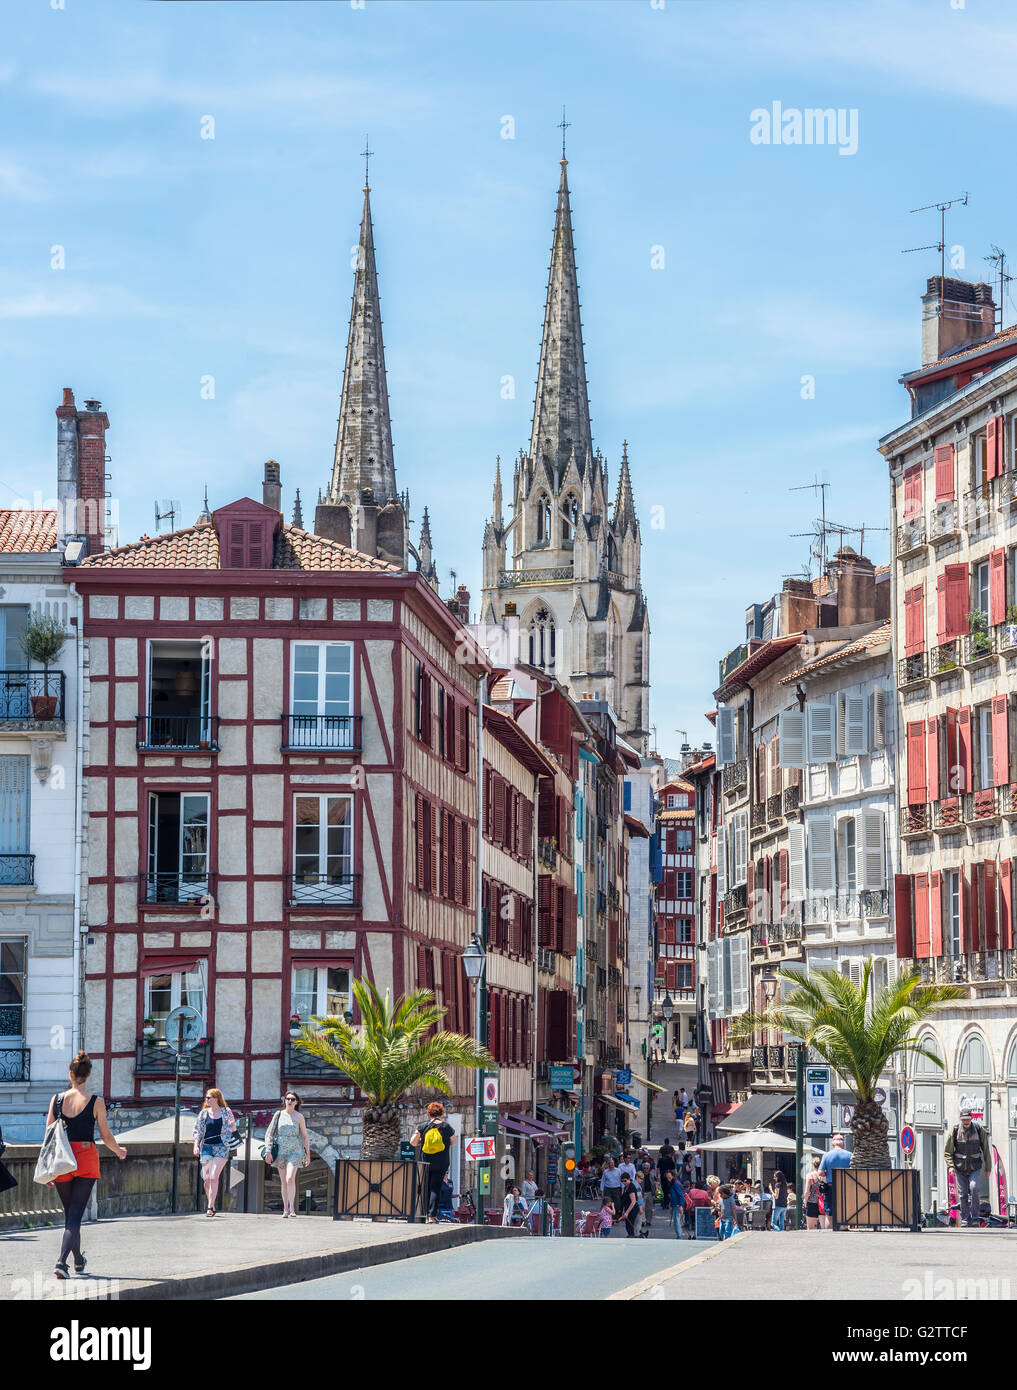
(568, 1189)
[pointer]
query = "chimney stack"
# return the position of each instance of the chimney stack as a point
(955, 314)
(81, 472)
(856, 588)
(271, 488)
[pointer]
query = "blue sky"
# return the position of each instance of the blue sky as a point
(187, 258)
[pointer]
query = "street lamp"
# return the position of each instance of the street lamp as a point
(667, 1009)
(474, 960)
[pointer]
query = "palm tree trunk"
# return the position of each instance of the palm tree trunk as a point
(869, 1128)
(381, 1138)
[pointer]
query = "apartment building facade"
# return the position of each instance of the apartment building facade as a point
(675, 973)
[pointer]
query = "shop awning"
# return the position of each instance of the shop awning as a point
(757, 1112)
(651, 1084)
(168, 964)
(530, 1126)
(558, 1115)
(620, 1103)
(721, 1112)
(624, 1095)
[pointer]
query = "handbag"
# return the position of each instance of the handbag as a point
(56, 1157)
(270, 1148)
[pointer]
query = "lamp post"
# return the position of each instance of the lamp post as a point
(474, 960)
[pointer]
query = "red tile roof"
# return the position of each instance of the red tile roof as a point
(878, 637)
(998, 340)
(25, 531)
(197, 547)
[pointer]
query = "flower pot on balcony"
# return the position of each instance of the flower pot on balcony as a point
(43, 707)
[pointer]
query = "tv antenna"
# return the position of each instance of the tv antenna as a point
(998, 259)
(170, 513)
(939, 245)
(820, 531)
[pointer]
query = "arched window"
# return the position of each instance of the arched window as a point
(974, 1059)
(612, 555)
(570, 518)
(922, 1065)
(542, 641)
(543, 517)
(1011, 1068)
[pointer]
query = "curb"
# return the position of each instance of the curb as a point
(653, 1281)
(296, 1269)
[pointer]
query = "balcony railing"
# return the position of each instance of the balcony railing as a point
(560, 574)
(736, 900)
(195, 732)
(601, 900)
(757, 816)
(547, 853)
(592, 950)
(775, 1057)
(948, 813)
(759, 1058)
(329, 733)
(774, 808)
(15, 1064)
(912, 670)
(943, 522)
(859, 906)
(915, 820)
(774, 933)
(760, 934)
(153, 1057)
(1008, 489)
(979, 967)
(985, 805)
(977, 508)
(546, 959)
(735, 775)
(613, 975)
(17, 869)
(1006, 637)
(792, 798)
(944, 659)
(335, 889)
(594, 1029)
(910, 537)
(31, 697)
(792, 930)
(194, 890)
(613, 896)
(979, 647)
(298, 1063)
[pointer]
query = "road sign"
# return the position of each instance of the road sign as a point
(623, 1077)
(818, 1102)
(490, 1088)
(481, 1147)
(907, 1139)
(183, 1026)
(562, 1078)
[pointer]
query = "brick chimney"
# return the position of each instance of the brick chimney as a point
(81, 472)
(798, 605)
(460, 605)
(955, 313)
(271, 487)
(856, 588)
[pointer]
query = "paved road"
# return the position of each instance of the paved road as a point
(502, 1270)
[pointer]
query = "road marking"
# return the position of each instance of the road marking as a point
(645, 1285)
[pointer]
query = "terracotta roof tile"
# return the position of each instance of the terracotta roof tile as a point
(197, 547)
(26, 531)
(876, 638)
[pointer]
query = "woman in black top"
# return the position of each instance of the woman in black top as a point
(629, 1204)
(435, 1140)
(81, 1113)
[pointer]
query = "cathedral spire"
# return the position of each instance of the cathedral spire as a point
(561, 412)
(298, 512)
(496, 515)
(425, 553)
(624, 506)
(363, 447)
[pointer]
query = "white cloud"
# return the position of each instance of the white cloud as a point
(20, 183)
(78, 301)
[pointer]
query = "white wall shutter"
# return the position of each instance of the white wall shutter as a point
(792, 738)
(841, 727)
(740, 825)
(725, 736)
(721, 860)
(821, 734)
(711, 978)
(739, 974)
(820, 847)
(871, 848)
(877, 716)
(796, 863)
(856, 732)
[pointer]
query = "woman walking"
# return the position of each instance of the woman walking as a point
(811, 1197)
(212, 1130)
(81, 1113)
(435, 1140)
(288, 1133)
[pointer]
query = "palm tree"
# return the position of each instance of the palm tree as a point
(389, 1054)
(855, 1036)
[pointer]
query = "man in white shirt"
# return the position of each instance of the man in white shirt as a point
(627, 1167)
(610, 1183)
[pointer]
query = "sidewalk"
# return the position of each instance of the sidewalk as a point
(189, 1256)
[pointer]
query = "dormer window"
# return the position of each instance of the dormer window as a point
(246, 531)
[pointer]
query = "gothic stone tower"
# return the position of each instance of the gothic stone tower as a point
(362, 507)
(574, 575)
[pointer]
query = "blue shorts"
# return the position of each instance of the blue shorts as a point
(214, 1151)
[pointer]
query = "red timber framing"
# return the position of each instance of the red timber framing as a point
(267, 909)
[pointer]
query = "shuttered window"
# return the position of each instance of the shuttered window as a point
(821, 733)
(821, 854)
(952, 602)
(796, 863)
(917, 781)
(932, 757)
(792, 738)
(914, 620)
(944, 473)
(1000, 741)
(870, 850)
(997, 587)
(921, 893)
(725, 736)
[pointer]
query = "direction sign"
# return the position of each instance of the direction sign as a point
(563, 1078)
(818, 1106)
(480, 1147)
(907, 1139)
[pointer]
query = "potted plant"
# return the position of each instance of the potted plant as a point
(295, 1025)
(43, 641)
(148, 1028)
(978, 625)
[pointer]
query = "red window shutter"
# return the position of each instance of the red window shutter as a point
(750, 892)
(419, 829)
(913, 493)
(958, 589)
(460, 864)
(914, 620)
(964, 748)
(1006, 905)
(932, 758)
(545, 811)
(421, 982)
(944, 473)
(953, 773)
(782, 864)
(1000, 741)
(942, 621)
(936, 913)
(917, 784)
(557, 1024)
(922, 942)
(671, 974)
(997, 587)
(498, 791)
(425, 708)
(989, 922)
(992, 447)
(449, 712)
(766, 904)
(429, 964)
(902, 915)
(761, 773)
(775, 772)
(545, 920)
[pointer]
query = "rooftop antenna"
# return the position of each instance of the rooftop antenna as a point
(998, 258)
(170, 513)
(939, 245)
(816, 486)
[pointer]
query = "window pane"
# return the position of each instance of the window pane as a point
(15, 620)
(337, 992)
(194, 837)
(305, 992)
(159, 1001)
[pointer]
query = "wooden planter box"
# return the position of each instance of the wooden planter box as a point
(877, 1199)
(378, 1188)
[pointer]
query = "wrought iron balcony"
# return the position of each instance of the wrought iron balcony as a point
(336, 889)
(759, 1058)
(31, 697)
(945, 658)
(943, 522)
(948, 813)
(546, 959)
(757, 816)
(1006, 637)
(594, 1029)
(979, 646)
(776, 1057)
(912, 670)
(792, 798)
(172, 732)
(193, 890)
(736, 900)
(792, 930)
(1008, 489)
(774, 933)
(759, 935)
(153, 1057)
(15, 1064)
(547, 853)
(601, 900)
(298, 1063)
(977, 508)
(910, 537)
(613, 975)
(774, 808)
(735, 775)
(613, 896)
(915, 820)
(321, 733)
(983, 806)
(17, 869)
(592, 949)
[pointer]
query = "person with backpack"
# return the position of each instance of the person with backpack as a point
(435, 1140)
(967, 1149)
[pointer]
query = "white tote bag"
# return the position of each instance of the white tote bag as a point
(56, 1157)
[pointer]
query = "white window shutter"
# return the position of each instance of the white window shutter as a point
(741, 847)
(877, 717)
(725, 736)
(821, 734)
(739, 974)
(856, 740)
(721, 860)
(792, 738)
(871, 842)
(796, 863)
(820, 847)
(841, 726)
(711, 978)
